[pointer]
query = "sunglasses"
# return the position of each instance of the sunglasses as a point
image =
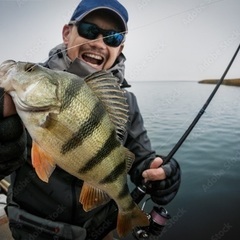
(91, 31)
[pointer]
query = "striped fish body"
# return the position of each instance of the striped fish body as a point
(76, 124)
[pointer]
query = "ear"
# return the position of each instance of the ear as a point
(66, 33)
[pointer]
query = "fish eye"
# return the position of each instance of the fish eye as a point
(29, 67)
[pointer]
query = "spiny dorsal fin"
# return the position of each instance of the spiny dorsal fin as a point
(108, 90)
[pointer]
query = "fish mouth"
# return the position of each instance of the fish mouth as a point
(93, 59)
(6, 66)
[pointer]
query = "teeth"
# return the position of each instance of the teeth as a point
(97, 57)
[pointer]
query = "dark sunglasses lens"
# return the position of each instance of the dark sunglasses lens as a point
(113, 39)
(87, 30)
(91, 31)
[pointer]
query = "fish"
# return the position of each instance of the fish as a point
(78, 125)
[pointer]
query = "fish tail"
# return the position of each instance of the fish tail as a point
(127, 221)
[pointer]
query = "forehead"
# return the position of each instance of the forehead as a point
(104, 19)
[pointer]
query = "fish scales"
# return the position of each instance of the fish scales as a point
(96, 123)
(102, 154)
(77, 125)
(85, 129)
(116, 172)
(72, 90)
(107, 148)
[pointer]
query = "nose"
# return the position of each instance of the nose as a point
(98, 42)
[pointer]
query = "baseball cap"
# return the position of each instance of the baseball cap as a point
(87, 6)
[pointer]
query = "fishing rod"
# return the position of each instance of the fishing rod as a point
(201, 112)
(159, 216)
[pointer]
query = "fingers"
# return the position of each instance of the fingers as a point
(155, 172)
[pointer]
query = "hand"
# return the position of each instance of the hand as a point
(164, 181)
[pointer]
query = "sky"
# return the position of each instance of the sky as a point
(167, 39)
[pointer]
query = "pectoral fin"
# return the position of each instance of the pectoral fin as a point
(43, 163)
(92, 197)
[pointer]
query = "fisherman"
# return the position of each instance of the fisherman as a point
(93, 40)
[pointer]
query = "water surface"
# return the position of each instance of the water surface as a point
(207, 205)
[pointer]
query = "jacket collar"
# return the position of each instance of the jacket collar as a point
(58, 60)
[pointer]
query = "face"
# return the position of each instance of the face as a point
(94, 52)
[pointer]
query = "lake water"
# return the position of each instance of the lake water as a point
(207, 204)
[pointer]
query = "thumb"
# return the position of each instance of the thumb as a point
(155, 172)
(156, 163)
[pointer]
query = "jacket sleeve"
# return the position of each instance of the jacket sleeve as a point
(137, 141)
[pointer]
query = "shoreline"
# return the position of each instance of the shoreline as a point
(229, 82)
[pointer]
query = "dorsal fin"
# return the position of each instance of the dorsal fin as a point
(108, 90)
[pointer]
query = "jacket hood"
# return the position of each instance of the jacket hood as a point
(58, 60)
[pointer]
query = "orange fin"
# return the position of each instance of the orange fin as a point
(92, 197)
(44, 164)
(127, 221)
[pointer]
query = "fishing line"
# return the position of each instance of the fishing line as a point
(176, 14)
(200, 113)
(142, 26)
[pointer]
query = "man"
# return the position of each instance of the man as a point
(93, 40)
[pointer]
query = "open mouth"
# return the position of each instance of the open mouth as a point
(93, 59)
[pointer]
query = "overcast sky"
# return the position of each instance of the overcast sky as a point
(167, 39)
